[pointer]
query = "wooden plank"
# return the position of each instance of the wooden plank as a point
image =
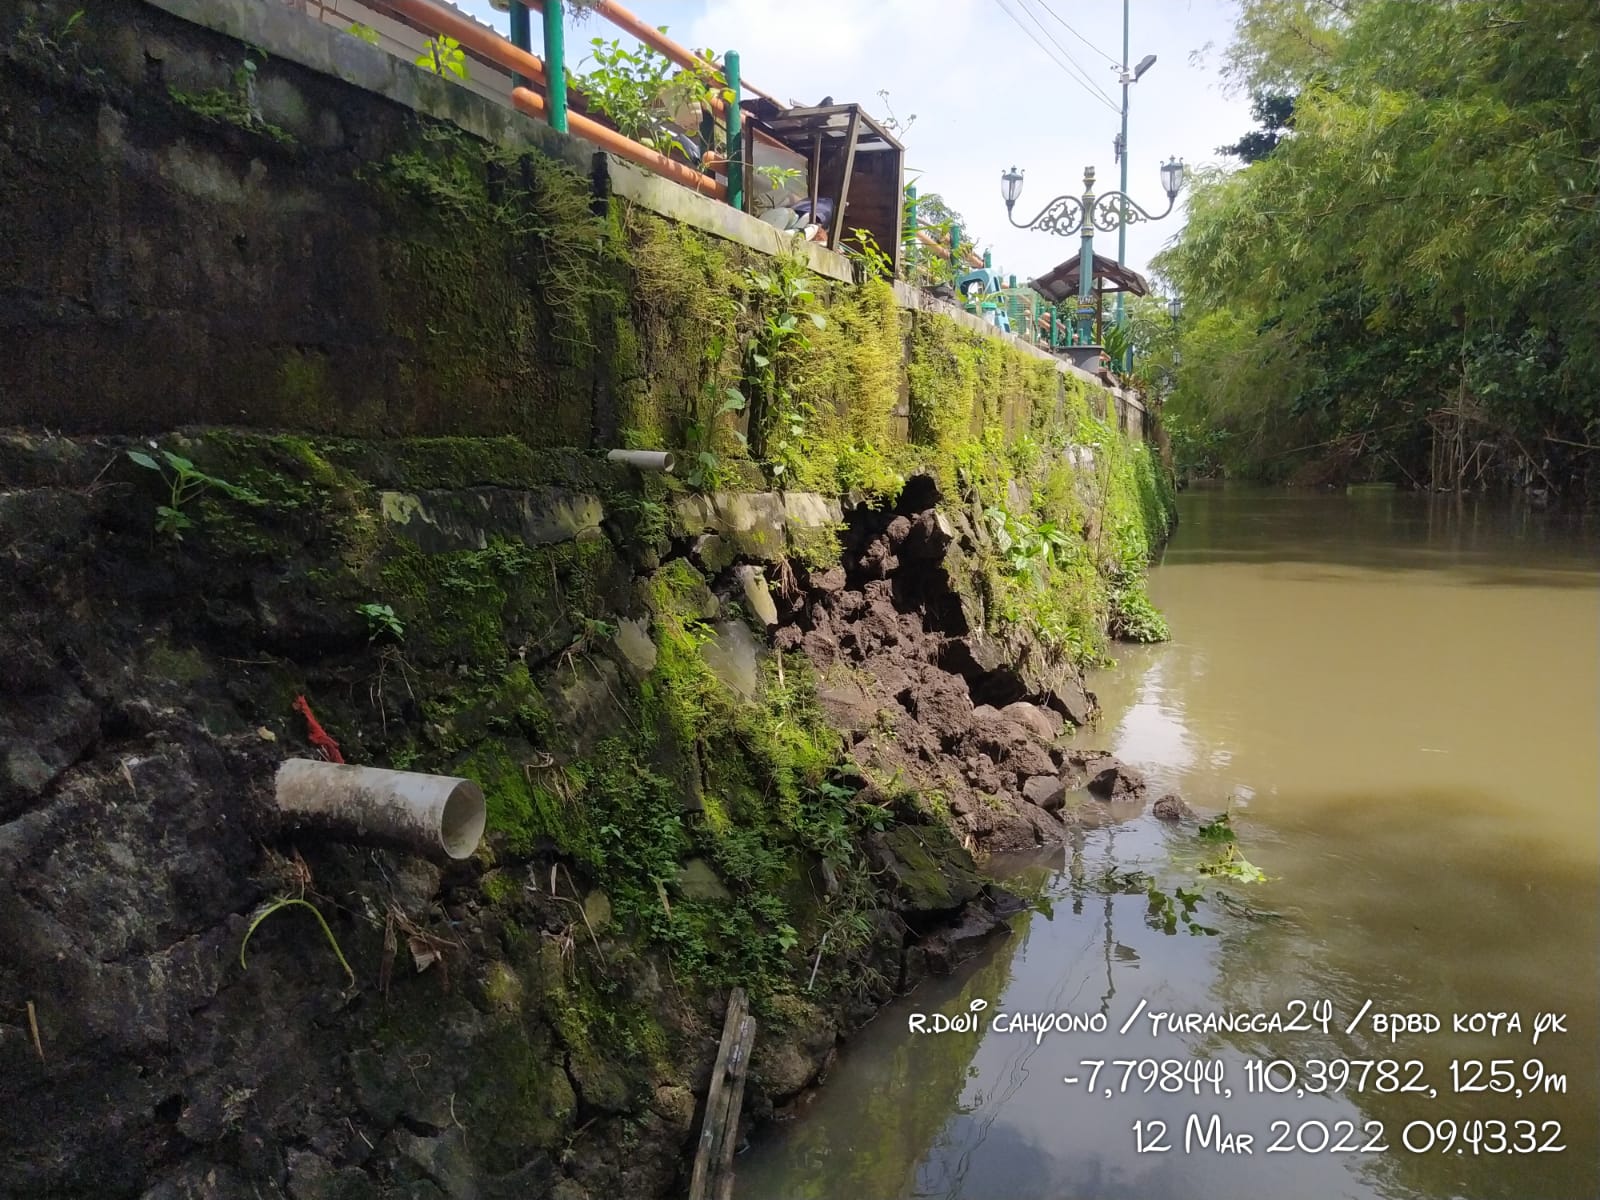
(738, 1068)
(713, 1132)
(844, 184)
(816, 174)
(749, 139)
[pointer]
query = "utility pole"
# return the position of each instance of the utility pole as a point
(1122, 230)
(1126, 78)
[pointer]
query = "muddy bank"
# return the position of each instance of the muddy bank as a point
(934, 703)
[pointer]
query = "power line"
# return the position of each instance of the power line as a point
(1078, 35)
(1070, 73)
(1023, 4)
(1071, 66)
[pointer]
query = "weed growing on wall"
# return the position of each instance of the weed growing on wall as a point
(185, 483)
(782, 308)
(237, 105)
(444, 56)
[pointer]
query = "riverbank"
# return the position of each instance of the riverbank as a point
(673, 808)
(1404, 866)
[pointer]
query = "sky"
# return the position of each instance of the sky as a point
(985, 94)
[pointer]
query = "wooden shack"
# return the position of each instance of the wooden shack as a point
(850, 159)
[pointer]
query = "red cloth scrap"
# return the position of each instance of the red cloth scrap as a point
(318, 735)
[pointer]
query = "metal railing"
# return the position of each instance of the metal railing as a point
(540, 84)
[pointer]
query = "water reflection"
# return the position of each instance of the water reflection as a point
(1401, 698)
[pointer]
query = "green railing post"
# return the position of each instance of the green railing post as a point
(521, 36)
(1086, 264)
(955, 249)
(735, 134)
(555, 65)
(908, 232)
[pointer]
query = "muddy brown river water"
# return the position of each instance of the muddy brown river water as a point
(1400, 698)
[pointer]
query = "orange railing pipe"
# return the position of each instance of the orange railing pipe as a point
(650, 36)
(943, 251)
(472, 36)
(624, 147)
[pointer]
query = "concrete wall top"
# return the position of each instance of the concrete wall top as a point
(917, 300)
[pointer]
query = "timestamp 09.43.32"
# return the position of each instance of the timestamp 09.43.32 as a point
(1443, 1135)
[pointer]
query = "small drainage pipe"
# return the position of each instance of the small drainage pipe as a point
(427, 813)
(645, 460)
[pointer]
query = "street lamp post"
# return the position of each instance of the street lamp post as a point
(1068, 215)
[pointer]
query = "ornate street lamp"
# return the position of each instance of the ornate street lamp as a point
(1011, 186)
(1174, 309)
(1067, 215)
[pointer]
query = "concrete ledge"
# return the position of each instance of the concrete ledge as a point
(678, 203)
(293, 36)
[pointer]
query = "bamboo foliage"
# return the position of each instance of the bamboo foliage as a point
(1440, 188)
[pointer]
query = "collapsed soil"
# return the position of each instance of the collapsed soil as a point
(932, 703)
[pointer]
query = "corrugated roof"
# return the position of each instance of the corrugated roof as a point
(1061, 281)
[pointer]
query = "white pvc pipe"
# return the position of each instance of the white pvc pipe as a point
(645, 460)
(424, 812)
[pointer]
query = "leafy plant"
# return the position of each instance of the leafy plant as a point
(365, 32)
(705, 473)
(1218, 829)
(864, 248)
(705, 432)
(1118, 345)
(779, 298)
(278, 905)
(594, 630)
(1230, 864)
(1133, 618)
(185, 482)
(239, 106)
(638, 90)
(938, 220)
(1233, 865)
(444, 56)
(778, 176)
(1167, 910)
(381, 621)
(1024, 547)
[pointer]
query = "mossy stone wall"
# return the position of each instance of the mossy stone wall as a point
(201, 233)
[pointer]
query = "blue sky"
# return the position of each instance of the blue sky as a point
(985, 94)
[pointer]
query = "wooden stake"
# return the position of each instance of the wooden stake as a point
(33, 1027)
(719, 1135)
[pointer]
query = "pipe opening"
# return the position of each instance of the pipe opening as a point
(422, 813)
(461, 824)
(644, 460)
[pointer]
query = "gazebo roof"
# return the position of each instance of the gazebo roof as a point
(1061, 281)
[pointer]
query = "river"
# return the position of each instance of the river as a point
(1399, 699)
